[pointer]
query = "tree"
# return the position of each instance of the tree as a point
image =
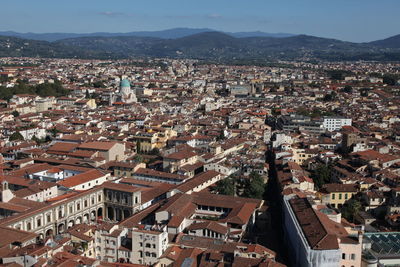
(329, 97)
(255, 188)
(15, 113)
(226, 186)
(87, 95)
(364, 92)
(321, 175)
(338, 74)
(348, 89)
(17, 136)
(390, 79)
(35, 139)
(138, 147)
(139, 159)
(53, 132)
(350, 209)
(98, 84)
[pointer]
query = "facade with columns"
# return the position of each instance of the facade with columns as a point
(121, 201)
(84, 207)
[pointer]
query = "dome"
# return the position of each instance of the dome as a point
(125, 83)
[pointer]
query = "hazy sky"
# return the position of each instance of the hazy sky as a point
(350, 20)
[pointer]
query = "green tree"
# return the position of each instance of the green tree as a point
(138, 147)
(98, 84)
(350, 209)
(255, 188)
(338, 74)
(321, 175)
(226, 186)
(391, 79)
(139, 158)
(37, 140)
(329, 97)
(348, 89)
(54, 132)
(154, 151)
(17, 136)
(15, 113)
(364, 92)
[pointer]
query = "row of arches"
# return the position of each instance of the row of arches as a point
(85, 218)
(118, 214)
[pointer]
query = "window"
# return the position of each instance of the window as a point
(48, 218)
(78, 206)
(28, 226)
(39, 222)
(340, 196)
(343, 256)
(333, 196)
(353, 256)
(345, 196)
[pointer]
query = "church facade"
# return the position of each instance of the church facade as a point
(125, 94)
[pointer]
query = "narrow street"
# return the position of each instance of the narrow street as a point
(272, 237)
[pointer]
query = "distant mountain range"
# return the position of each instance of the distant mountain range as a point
(209, 46)
(163, 34)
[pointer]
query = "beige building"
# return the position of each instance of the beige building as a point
(148, 244)
(176, 160)
(108, 150)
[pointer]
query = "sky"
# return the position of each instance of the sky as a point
(349, 20)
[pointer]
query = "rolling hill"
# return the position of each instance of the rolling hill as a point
(211, 46)
(163, 34)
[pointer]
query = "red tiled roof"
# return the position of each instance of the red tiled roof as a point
(81, 178)
(98, 145)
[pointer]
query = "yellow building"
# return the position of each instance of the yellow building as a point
(151, 138)
(337, 194)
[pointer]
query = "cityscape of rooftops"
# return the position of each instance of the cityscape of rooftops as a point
(200, 133)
